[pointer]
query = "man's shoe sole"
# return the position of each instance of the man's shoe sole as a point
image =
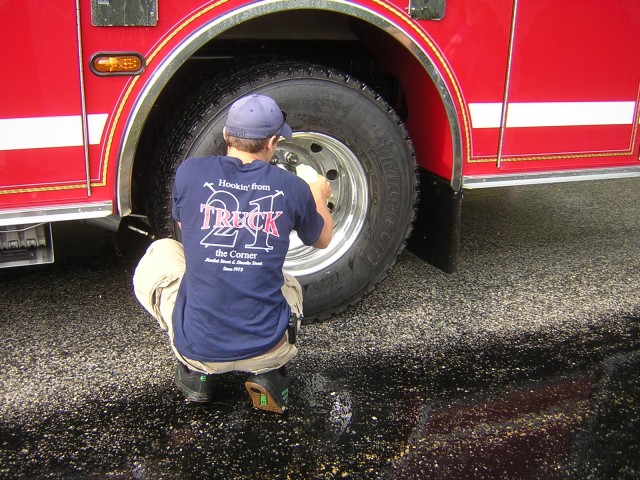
(262, 399)
(193, 396)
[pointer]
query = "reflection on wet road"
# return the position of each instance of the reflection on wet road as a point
(524, 364)
(579, 425)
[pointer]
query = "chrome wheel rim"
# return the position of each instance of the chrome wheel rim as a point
(349, 201)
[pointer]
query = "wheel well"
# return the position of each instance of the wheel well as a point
(318, 36)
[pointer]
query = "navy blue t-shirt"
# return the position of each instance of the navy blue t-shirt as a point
(236, 219)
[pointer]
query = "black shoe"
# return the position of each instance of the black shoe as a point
(196, 386)
(269, 391)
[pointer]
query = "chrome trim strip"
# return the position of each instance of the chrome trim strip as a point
(83, 102)
(507, 85)
(197, 39)
(55, 214)
(490, 181)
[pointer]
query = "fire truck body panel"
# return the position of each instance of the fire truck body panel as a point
(467, 50)
(571, 88)
(492, 94)
(41, 137)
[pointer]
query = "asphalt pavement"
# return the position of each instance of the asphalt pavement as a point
(522, 365)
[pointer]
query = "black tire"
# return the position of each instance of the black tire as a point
(344, 130)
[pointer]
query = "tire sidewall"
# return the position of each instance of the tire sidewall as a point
(372, 131)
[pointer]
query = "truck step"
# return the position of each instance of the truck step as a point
(25, 245)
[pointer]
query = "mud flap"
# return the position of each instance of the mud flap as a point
(436, 234)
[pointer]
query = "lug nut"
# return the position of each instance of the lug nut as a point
(291, 158)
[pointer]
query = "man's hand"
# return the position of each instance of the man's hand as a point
(321, 191)
(307, 173)
(319, 185)
(321, 188)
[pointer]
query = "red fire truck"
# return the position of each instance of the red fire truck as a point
(401, 104)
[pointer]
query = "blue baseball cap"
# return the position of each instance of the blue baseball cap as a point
(257, 117)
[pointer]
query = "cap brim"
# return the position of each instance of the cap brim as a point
(286, 132)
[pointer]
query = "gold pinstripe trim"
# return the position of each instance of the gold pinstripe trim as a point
(184, 24)
(116, 117)
(399, 14)
(44, 189)
(561, 156)
(457, 165)
(420, 32)
(149, 60)
(114, 122)
(470, 159)
(550, 157)
(414, 26)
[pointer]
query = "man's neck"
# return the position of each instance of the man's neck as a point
(246, 157)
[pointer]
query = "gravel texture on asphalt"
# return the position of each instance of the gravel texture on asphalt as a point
(548, 283)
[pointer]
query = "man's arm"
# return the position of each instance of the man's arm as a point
(321, 191)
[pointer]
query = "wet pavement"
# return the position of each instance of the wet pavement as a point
(522, 365)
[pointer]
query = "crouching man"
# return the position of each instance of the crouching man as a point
(221, 295)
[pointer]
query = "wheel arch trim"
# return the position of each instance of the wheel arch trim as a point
(190, 44)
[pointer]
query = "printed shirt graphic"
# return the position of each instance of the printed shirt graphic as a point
(236, 220)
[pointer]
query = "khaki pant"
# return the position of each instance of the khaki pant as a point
(156, 281)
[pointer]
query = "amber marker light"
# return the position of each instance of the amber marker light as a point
(117, 64)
